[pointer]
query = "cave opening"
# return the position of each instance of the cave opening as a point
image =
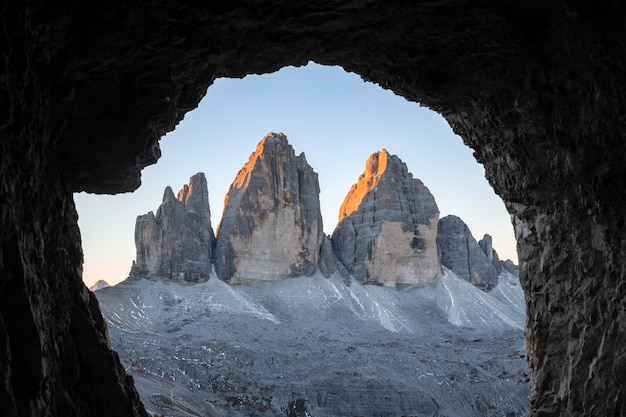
(332, 116)
(535, 89)
(337, 120)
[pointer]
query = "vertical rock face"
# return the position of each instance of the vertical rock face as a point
(486, 244)
(178, 242)
(388, 226)
(271, 227)
(327, 262)
(464, 256)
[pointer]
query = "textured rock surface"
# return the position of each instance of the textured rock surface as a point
(536, 89)
(178, 242)
(486, 244)
(388, 226)
(327, 262)
(463, 255)
(271, 227)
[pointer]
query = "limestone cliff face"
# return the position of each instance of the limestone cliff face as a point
(271, 227)
(388, 226)
(178, 242)
(464, 256)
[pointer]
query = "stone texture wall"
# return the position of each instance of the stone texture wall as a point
(535, 88)
(55, 359)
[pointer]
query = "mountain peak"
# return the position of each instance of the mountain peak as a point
(388, 225)
(100, 284)
(274, 137)
(271, 226)
(475, 262)
(168, 194)
(378, 165)
(178, 242)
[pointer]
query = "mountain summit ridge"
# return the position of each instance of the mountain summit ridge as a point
(271, 229)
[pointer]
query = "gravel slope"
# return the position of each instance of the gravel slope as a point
(314, 346)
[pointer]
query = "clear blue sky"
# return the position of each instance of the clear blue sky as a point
(332, 116)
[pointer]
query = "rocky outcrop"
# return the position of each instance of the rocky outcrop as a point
(271, 227)
(463, 255)
(178, 242)
(510, 267)
(100, 284)
(388, 226)
(486, 244)
(327, 262)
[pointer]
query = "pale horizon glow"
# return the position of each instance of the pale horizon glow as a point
(332, 116)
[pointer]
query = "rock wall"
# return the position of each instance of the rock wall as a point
(271, 227)
(55, 358)
(388, 226)
(178, 242)
(536, 89)
(463, 255)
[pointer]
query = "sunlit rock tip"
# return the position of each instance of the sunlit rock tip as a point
(178, 242)
(271, 227)
(388, 226)
(274, 136)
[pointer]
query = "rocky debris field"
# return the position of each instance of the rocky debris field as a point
(313, 346)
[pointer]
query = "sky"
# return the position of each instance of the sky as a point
(335, 118)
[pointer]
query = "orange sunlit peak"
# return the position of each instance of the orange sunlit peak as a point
(375, 167)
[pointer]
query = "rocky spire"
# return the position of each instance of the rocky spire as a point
(271, 227)
(178, 242)
(464, 256)
(486, 244)
(388, 226)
